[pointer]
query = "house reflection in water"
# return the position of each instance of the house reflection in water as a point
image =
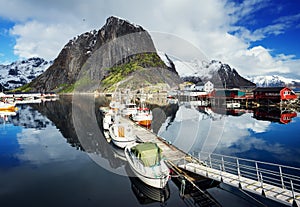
(274, 114)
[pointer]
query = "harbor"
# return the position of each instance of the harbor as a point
(196, 177)
(269, 180)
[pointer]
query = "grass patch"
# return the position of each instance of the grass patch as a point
(136, 62)
(25, 88)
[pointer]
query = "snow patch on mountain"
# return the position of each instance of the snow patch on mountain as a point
(195, 67)
(22, 72)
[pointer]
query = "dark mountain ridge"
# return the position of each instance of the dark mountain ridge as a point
(95, 58)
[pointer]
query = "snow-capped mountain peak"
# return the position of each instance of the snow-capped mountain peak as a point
(273, 81)
(22, 72)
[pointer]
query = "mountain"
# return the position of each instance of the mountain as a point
(21, 72)
(119, 53)
(222, 75)
(274, 81)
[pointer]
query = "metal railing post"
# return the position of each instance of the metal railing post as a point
(223, 166)
(238, 168)
(221, 175)
(256, 166)
(239, 172)
(281, 177)
(209, 157)
(292, 188)
(262, 185)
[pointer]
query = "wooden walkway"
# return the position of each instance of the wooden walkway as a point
(287, 196)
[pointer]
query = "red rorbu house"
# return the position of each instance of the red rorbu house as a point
(275, 94)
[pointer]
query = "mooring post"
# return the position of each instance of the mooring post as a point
(182, 187)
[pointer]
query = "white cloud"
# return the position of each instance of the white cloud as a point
(44, 146)
(44, 27)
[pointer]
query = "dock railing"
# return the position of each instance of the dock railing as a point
(266, 174)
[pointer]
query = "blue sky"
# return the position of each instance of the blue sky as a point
(255, 36)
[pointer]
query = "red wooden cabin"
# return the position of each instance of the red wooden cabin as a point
(274, 94)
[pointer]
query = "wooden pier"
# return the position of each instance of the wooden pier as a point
(275, 182)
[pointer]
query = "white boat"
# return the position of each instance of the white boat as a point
(7, 106)
(145, 159)
(129, 109)
(108, 119)
(143, 116)
(121, 134)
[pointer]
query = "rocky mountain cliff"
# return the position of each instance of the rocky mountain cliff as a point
(119, 51)
(21, 72)
(222, 75)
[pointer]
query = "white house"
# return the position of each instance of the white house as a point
(208, 87)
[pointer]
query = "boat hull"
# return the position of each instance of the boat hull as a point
(143, 119)
(7, 106)
(145, 122)
(154, 182)
(122, 144)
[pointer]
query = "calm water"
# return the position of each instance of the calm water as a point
(54, 154)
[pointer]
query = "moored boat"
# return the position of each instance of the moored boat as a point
(145, 159)
(129, 109)
(108, 119)
(143, 116)
(121, 135)
(7, 106)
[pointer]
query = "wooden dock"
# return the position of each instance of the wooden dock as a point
(251, 177)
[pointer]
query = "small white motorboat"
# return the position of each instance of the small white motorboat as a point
(145, 159)
(121, 134)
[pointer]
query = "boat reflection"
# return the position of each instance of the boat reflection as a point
(4, 115)
(144, 193)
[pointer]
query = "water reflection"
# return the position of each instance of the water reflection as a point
(274, 114)
(253, 134)
(146, 194)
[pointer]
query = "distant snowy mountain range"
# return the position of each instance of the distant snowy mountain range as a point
(21, 72)
(203, 69)
(273, 81)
